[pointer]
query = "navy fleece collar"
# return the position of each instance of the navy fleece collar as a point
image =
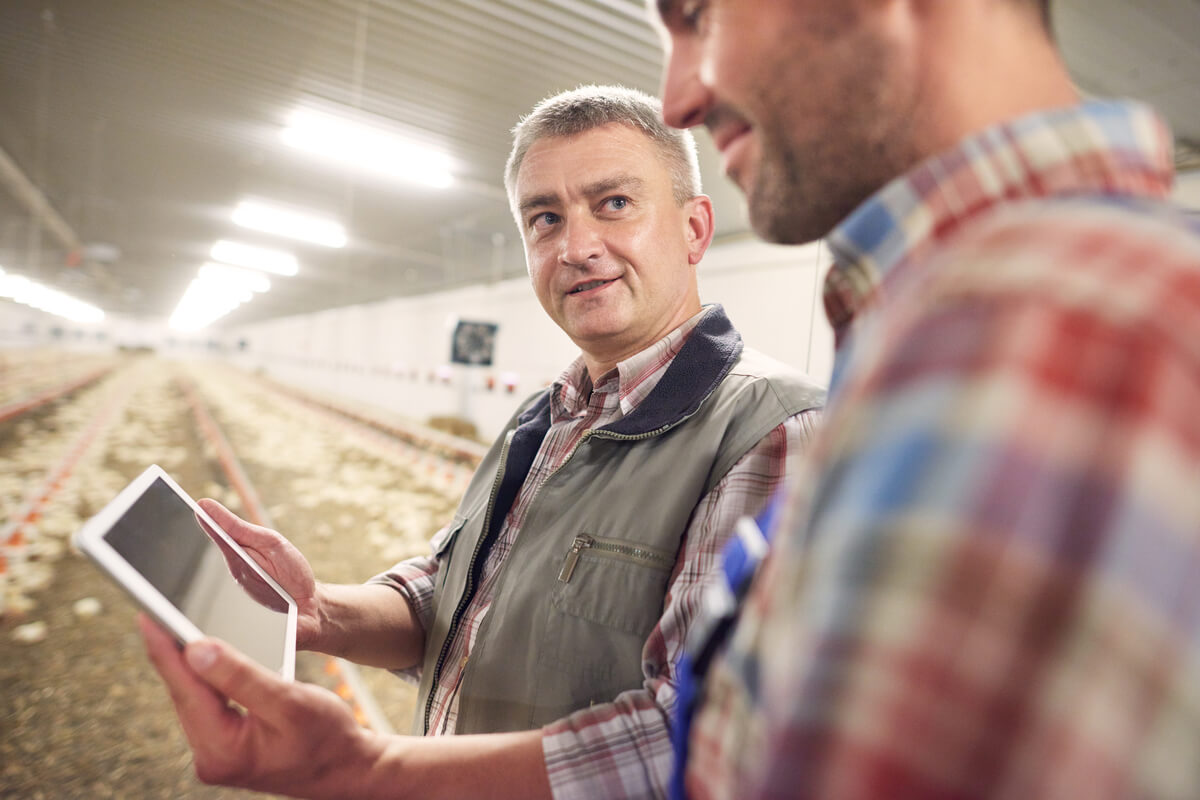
(701, 364)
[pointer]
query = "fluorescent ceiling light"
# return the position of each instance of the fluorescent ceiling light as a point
(291, 224)
(367, 148)
(204, 302)
(43, 298)
(216, 290)
(239, 277)
(244, 255)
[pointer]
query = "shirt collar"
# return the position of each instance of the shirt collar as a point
(632, 379)
(1095, 148)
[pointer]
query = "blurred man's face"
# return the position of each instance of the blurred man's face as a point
(811, 103)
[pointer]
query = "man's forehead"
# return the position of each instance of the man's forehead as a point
(596, 155)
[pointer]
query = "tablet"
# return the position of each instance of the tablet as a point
(188, 574)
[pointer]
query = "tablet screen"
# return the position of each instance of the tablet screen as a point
(161, 537)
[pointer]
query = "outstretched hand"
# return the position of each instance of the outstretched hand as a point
(293, 738)
(282, 561)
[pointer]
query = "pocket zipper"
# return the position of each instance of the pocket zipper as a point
(641, 555)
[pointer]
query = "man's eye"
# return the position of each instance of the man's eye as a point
(617, 203)
(691, 12)
(544, 218)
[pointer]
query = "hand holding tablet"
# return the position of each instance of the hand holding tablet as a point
(189, 574)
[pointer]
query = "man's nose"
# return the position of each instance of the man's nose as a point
(582, 240)
(685, 97)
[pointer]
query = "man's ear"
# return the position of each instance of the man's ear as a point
(700, 226)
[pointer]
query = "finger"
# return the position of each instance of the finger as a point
(193, 698)
(231, 674)
(244, 533)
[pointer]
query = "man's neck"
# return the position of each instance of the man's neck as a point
(987, 64)
(600, 363)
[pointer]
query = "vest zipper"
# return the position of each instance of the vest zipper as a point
(603, 434)
(464, 601)
(628, 552)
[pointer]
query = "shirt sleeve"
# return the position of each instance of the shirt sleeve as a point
(415, 578)
(623, 748)
(983, 597)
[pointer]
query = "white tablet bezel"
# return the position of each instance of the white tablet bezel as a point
(90, 539)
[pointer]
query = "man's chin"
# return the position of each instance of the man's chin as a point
(599, 331)
(770, 218)
(781, 229)
(775, 219)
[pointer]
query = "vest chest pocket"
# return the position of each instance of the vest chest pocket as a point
(608, 597)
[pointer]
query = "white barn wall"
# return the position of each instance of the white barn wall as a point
(772, 293)
(24, 327)
(395, 354)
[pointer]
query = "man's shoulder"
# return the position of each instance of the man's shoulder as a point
(1084, 229)
(1095, 250)
(1122, 216)
(754, 369)
(755, 363)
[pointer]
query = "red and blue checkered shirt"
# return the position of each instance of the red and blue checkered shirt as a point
(990, 584)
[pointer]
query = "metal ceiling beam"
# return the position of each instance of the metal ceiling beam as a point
(34, 200)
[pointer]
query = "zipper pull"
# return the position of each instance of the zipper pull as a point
(582, 542)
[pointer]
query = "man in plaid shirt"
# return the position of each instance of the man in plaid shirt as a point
(551, 615)
(990, 584)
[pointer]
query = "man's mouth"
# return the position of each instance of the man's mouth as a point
(583, 287)
(725, 125)
(724, 138)
(734, 147)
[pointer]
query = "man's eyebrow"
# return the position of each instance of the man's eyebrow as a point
(603, 186)
(612, 184)
(537, 201)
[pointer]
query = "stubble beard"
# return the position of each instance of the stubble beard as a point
(781, 204)
(797, 200)
(807, 183)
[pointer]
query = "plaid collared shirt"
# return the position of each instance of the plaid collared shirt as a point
(620, 748)
(991, 587)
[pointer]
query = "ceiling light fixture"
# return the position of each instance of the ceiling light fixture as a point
(204, 302)
(294, 225)
(244, 255)
(236, 277)
(367, 147)
(43, 298)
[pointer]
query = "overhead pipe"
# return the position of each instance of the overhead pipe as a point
(37, 204)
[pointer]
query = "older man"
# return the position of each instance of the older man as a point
(989, 586)
(551, 614)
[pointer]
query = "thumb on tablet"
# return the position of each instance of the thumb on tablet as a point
(237, 677)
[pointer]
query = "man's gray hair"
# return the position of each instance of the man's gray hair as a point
(588, 107)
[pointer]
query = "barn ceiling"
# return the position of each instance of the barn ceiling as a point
(142, 123)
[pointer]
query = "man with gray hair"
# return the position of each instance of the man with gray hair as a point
(550, 617)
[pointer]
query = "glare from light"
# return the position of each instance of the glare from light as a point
(43, 298)
(235, 277)
(204, 302)
(367, 148)
(294, 225)
(244, 255)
